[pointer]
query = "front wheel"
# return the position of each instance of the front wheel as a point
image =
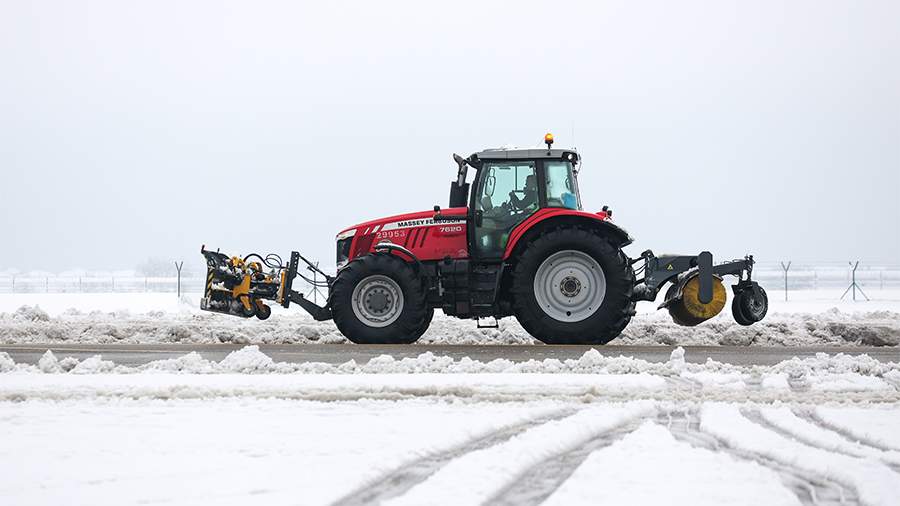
(573, 286)
(378, 299)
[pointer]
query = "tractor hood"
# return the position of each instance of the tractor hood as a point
(417, 233)
(400, 221)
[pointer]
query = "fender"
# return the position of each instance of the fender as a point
(601, 220)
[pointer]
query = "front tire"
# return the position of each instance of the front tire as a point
(573, 286)
(378, 299)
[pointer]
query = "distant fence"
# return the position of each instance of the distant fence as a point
(827, 276)
(799, 277)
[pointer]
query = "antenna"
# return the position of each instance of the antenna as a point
(573, 136)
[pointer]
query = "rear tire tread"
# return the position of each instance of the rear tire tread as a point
(594, 330)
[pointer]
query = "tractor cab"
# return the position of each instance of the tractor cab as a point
(510, 185)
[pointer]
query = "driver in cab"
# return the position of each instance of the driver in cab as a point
(529, 197)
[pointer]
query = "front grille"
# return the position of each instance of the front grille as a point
(343, 250)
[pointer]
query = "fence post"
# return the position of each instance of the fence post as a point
(178, 267)
(14, 285)
(786, 268)
(46, 285)
(853, 284)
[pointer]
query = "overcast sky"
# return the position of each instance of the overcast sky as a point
(131, 130)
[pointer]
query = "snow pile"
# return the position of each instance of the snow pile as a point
(250, 359)
(246, 360)
(250, 372)
(7, 364)
(831, 327)
(30, 314)
(30, 324)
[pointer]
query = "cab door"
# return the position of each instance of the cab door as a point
(507, 192)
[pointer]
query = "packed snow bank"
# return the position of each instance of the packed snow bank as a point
(797, 372)
(31, 324)
(810, 318)
(249, 372)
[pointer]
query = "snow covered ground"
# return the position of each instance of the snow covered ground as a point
(437, 430)
(809, 318)
(433, 430)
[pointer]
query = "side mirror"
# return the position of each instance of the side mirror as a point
(459, 195)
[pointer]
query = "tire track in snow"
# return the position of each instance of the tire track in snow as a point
(810, 415)
(756, 417)
(539, 482)
(402, 479)
(809, 488)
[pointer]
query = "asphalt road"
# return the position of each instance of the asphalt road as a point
(137, 354)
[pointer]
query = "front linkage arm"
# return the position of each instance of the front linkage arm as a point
(286, 294)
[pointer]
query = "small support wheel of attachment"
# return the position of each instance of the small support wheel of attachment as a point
(263, 311)
(238, 307)
(750, 305)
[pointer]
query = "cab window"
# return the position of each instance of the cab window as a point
(506, 195)
(562, 185)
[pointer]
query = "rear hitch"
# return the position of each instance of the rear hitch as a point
(697, 293)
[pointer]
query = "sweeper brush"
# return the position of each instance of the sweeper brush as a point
(513, 242)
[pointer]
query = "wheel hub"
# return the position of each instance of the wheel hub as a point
(377, 301)
(569, 286)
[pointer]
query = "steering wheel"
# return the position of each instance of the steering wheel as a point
(513, 201)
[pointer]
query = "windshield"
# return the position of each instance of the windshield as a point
(562, 185)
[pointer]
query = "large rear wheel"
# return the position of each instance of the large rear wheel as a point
(573, 286)
(378, 299)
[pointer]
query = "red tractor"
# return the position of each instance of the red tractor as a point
(514, 243)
